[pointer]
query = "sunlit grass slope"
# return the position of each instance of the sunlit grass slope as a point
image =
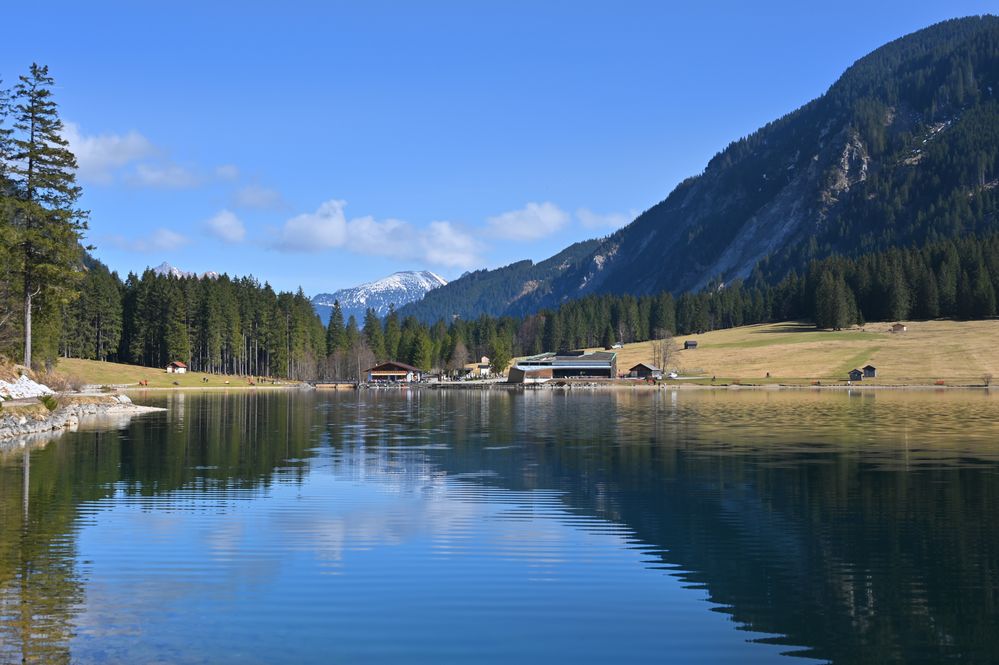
(791, 352)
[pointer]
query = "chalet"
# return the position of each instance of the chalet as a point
(564, 365)
(645, 371)
(870, 372)
(176, 367)
(856, 375)
(898, 328)
(394, 372)
(690, 344)
(479, 370)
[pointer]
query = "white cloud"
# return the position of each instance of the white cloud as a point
(256, 196)
(100, 155)
(611, 220)
(226, 227)
(160, 240)
(165, 176)
(533, 221)
(228, 172)
(325, 228)
(446, 245)
(440, 243)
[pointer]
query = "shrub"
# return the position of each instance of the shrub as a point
(50, 402)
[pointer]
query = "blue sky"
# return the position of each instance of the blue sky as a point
(322, 144)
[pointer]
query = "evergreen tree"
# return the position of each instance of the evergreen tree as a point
(335, 331)
(373, 334)
(500, 355)
(47, 225)
(552, 337)
(393, 335)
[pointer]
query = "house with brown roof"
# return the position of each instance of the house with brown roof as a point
(176, 367)
(394, 372)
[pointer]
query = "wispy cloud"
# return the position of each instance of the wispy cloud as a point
(533, 221)
(605, 221)
(159, 240)
(163, 176)
(258, 197)
(99, 156)
(228, 172)
(439, 243)
(227, 227)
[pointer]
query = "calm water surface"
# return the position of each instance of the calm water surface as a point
(493, 527)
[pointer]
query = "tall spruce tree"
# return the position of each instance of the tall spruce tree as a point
(335, 331)
(47, 225)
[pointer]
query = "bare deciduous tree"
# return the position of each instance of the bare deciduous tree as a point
(663, 349)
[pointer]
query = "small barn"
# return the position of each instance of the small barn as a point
(870, 372)
(898, 328)
(176, 367)
(690, 344)
(394, 372)
(856, 375)
(645, 371)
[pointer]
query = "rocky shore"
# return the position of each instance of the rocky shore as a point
(23, 419)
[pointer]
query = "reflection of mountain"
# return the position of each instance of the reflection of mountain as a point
(791, 533)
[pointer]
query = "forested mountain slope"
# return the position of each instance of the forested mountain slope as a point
(903, 149)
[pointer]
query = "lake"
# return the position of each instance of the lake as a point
(487, 526)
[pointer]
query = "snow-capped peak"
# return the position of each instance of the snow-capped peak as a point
(166, 270)
(397, 289)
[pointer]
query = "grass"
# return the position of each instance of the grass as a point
(97, 373)
(956, 352)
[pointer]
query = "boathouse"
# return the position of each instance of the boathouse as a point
(870, 372)
(394, 372)
(856, 375)
(564, 365)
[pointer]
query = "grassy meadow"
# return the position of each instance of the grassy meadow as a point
(956, 352)
(95, 372)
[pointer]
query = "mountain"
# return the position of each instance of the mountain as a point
(902, 149)
(397, 289)
(166, 270)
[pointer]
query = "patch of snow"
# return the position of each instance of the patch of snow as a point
(23, 388)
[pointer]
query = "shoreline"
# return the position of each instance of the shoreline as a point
(670, 387)
(23, 421)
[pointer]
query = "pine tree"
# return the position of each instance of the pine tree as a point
(335, 331)
(373, 334)
(48, 226)
(393, 335)
(552, 337)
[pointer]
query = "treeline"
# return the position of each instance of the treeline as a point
(219, 325)
(239, 326)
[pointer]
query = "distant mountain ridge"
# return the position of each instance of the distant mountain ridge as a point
(397, 289)
(902, 149)
(166, 270)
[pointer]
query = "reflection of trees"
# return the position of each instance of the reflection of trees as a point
(816, 532)
(233, 442)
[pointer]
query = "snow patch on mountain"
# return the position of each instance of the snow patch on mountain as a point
(397, 289)
(166, 270)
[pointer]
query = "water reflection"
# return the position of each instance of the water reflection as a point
(493, 526)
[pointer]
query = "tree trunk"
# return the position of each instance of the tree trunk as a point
(27, 328)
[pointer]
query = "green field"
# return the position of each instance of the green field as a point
(955, 352)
